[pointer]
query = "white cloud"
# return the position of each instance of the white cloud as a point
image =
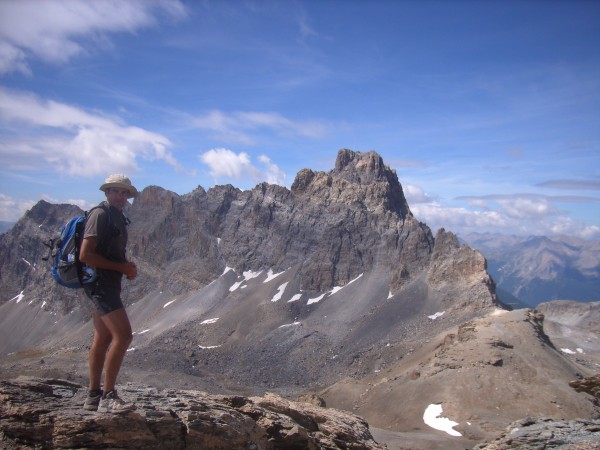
(225, 163)
(238, 127)
(478, 203)
(68, 138)
(55, 30)
(454, 219)
(508, 214)
(526, 207)
(274, 175)
(567, 226)
(415, 194)
(11, 210)
(12, 59)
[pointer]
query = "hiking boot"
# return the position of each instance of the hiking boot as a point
(92, 400)
(112, 403)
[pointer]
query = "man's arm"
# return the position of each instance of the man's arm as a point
(88, 255)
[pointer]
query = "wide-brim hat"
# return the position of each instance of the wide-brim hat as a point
(121, 182)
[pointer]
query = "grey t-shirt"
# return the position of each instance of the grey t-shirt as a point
(111, 239)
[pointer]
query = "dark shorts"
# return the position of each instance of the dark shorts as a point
(106, 298)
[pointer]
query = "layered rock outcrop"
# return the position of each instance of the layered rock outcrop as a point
(589, 385)
(47, 413)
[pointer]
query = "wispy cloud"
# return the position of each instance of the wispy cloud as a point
(273, 174)
(67, 138)
(530, 198)
(227, 164)
(571, 184)
(242, 127)
(55, 30)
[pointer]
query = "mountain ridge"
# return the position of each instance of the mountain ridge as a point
(290, 291)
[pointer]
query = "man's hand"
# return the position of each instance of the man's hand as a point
(130, 270)
(88, 255)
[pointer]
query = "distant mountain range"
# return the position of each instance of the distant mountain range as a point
(535, 269)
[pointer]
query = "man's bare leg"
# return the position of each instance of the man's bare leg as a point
(102, 339)
(119, 327)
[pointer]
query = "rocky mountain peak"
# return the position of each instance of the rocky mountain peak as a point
(156, 197)
(47, 215)
(362, 168)
(357, 179)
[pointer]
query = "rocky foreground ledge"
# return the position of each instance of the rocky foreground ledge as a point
(47, 413)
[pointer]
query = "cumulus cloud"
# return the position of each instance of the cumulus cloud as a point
(415, 194)
(459, 219)
(53, 30)
(225, 163)
(241, 127)
(566, 225)
(69, 139)
(527, 207)
(507, 214)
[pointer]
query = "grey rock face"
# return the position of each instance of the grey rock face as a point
(590, 385)
(573, 327)
(331, 227)
(47, 413)
(22, 249)
(534, 433)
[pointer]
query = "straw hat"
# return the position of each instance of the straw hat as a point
(119, 181)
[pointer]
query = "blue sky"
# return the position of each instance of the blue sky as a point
(489, 111)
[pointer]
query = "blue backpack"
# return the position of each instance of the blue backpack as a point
(67, 270)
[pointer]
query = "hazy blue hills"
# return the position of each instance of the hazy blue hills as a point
(537, 269)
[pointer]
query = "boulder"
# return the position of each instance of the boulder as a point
(47, 413)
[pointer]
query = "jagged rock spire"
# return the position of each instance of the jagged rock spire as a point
(370, 181)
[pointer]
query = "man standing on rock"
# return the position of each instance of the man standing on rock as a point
(104, 248)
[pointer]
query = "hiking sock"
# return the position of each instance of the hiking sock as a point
(95, 393)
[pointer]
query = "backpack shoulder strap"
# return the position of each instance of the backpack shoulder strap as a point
(103, 242)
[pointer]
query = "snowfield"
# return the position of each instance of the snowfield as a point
(432, 417)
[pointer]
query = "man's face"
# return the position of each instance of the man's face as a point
(117, 197)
